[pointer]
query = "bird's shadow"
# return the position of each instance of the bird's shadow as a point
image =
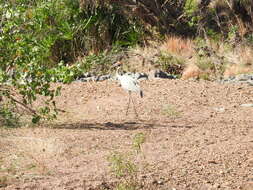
(123, 125)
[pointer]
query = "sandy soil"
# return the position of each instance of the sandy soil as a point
(197, 137)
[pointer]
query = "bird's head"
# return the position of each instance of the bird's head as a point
(118, 65)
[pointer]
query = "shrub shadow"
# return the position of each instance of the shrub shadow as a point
(129, 125)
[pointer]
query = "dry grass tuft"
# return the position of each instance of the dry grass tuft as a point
(242, 59)
(245, 55)
(179, 46)
(236, 69)
(191, 71)
(144, 58)
(236, 61)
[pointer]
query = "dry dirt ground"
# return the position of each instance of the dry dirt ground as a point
(197, 137)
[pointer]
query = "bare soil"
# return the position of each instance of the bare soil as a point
(197, 137)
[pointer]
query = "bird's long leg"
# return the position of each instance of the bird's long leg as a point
(134, 108)
(129, 94)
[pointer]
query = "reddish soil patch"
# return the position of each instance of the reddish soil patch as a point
(197, 137)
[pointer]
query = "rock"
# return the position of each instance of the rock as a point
(244, 77)
(246, 105)
(103, 77)
(85, 75)
(216, 186)
(250, 83)
(221, 110)
(240, 79)
(160, 74)
(87, 79)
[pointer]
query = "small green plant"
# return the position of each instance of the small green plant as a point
(121, 164)
(170, 111)
(215, 36)
(190, 8)
(138, 140)
(249, 39)
(233, 31)
(124, 167)
(204, 76)
(8, 118)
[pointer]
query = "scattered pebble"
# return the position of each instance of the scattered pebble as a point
(240, 79)
(86, 77)
(221, 110)
(246, 105)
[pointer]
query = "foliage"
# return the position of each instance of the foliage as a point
(102, 62)
(190, 9)
(28, 33)
(38, 39)
(8, 117)
(121, 165)
(138, 140)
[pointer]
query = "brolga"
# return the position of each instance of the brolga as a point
(130, 84)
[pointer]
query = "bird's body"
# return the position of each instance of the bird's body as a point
(130, 84)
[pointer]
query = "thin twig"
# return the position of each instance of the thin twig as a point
(24, 105)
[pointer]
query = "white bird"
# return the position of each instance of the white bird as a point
(130, 84)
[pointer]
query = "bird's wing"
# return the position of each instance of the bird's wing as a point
(129, 83)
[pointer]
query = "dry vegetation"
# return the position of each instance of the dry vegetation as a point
(218, 59)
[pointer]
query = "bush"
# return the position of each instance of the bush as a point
(28, 34)
(171, 64)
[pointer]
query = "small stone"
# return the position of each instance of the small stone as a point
(216, 185)
(103, 77)
(212, 162)
(221, 110)
(244, 77)
(246, 105)
(160, 74)
(160, 182)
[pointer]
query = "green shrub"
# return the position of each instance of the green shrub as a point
(8, 118)
(28, 34)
